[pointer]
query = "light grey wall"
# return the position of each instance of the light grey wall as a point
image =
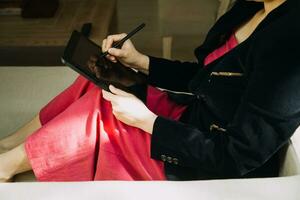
(25, 90)
(192, 17)
(133, 12)
(187, 21)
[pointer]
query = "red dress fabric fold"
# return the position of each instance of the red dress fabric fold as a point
(81, 140)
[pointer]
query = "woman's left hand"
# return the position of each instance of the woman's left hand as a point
(129, 109)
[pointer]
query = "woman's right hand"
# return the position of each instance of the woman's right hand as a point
(127, 55)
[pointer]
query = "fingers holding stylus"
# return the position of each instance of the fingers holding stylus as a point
(111, 58)
(112, 39)
(120, 48)
(108, 44)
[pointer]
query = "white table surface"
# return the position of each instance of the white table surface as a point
(287, 188)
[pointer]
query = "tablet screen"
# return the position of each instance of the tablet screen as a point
(83, 53)
(83, 56)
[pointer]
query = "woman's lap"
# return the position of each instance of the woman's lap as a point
(84, 141)
(59, 103)
(63, 149)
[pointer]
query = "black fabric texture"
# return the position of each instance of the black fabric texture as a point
(234, 126)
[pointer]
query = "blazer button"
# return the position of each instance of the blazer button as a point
(175, 161)
(163, 158)
(169, 159)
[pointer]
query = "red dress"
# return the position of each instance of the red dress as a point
(81, 140)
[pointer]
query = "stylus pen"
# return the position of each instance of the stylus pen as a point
(129, 35)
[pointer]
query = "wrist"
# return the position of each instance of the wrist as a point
(143, 62)
(148, 124)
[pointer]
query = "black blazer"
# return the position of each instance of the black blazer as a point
(237, 120)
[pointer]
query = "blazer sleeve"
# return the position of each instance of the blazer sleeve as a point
(171, 75)
(266, 118)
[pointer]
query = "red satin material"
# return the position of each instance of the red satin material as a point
(81, 140)
(229, 44)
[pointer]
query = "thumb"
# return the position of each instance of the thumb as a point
(116, 52)
(117, 91)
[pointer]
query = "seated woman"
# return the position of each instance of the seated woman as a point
(244, 106)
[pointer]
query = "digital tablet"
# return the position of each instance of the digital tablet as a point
(83, 56)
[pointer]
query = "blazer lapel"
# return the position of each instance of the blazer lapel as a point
(224, 27)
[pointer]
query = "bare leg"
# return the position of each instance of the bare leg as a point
(13, 162)
(20, 135)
